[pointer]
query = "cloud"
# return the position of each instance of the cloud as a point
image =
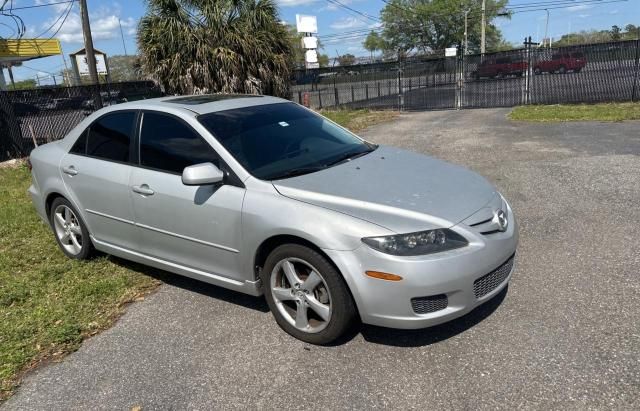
(292, 3)
(616, 11)
(584, 16)
(579, 7)
(104, 24)
(347, 23)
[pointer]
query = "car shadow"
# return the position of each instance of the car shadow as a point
(432, 335)
(372, 334)
(196, 286)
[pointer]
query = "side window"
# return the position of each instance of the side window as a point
(168, 144)
(110, 136)
(80, 146)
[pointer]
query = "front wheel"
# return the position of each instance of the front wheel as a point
(562, 70)
(307, 295)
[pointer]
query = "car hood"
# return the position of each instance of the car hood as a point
(399, 190)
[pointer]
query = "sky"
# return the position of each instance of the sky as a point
(332, 19)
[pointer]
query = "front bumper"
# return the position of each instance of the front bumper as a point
(452, 273)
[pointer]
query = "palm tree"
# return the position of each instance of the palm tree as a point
(209, 46)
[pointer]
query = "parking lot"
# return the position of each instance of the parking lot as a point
(565, 334)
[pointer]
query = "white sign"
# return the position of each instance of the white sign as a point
(309, 42)
(311, 56)
(83, 66)
(306, 24)
(313, 65)
(451, 52)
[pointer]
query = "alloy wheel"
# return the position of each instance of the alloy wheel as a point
(301, 295)
(68, 229)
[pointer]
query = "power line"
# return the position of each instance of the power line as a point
(34, 6)
(64, 14)
(358, 12)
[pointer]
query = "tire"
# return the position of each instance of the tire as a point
(499, 74)
(562, 70)
(319, 313)
(537, 71)
(577, 70)
(70, 230)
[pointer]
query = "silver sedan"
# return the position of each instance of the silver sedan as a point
(262, 196)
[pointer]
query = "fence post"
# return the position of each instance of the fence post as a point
(378, 89)
(337, 95)
(353, 96)
(319, 100)
(634, 92)
(400, 85)
(366, 91)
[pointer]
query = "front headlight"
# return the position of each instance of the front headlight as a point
(418, 243)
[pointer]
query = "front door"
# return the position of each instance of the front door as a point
(193, 226)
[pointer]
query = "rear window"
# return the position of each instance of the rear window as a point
(109, 137)
(577, 55)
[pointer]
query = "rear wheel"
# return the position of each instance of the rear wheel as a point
(577, 70)
(537, 71)
(307, 295)
(70, 230)
(562, 70)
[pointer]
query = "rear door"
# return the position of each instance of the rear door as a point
(193, 226)
(96, 172)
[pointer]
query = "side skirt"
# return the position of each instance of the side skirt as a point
(248, 287)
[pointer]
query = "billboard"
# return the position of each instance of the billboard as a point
(83, 66)
(306, 24)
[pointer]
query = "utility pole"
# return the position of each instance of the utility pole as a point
(466, 33)
(88, 42)
(484, 27)
(546, 28)
(124, 46)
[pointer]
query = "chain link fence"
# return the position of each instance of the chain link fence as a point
(577, 74)
(38, 116)
(531, 75)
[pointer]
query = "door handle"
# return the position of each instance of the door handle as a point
(70, 170)
(143, 189)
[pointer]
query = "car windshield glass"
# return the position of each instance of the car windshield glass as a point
(282, 140)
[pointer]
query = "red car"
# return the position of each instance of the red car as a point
(500, 67)
(561, 63)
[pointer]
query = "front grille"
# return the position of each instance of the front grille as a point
(484, 285)
(425, 305)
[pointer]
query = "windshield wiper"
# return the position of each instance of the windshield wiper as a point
(348, 157)
(297, 172)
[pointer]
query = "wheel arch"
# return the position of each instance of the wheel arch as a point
(50, 199)
(271, 243)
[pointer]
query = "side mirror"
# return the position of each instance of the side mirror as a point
(202, 174)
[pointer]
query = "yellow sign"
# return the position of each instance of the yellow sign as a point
(27, 49)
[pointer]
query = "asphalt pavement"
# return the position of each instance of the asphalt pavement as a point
(565, 335)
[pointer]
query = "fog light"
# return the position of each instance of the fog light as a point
(383, 276)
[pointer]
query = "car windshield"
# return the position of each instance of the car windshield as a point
(282, 140)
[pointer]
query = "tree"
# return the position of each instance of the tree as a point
(374, 42)
(124, 68)
(433, 25)
(298, 51)
(347, 60)
(205, 46)
(615, 33)
(24, 84)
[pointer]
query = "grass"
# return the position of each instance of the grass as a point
(358, 120)
(577, 112)
(50, 303)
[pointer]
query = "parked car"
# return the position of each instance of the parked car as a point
(500, 67)
(262, 196)
(561, 63)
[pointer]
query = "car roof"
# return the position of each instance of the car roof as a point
(203, 103)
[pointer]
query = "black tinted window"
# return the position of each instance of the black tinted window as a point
(109, 137)
(170, 145)
(80, 146)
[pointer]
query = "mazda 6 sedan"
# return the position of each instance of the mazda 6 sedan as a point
(263, 196)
